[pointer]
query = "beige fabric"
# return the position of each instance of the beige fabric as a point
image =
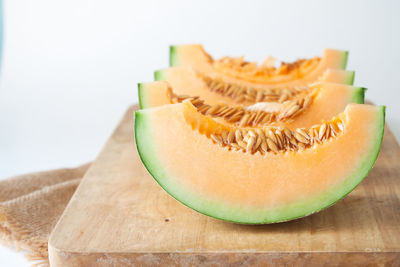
(30, 206)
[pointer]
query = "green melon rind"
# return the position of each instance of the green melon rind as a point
(173, 56)
(248, 215)
(349, 80)
(345, 57)
(160, 75)
(358, 95)
(142, 96)
(348, 77)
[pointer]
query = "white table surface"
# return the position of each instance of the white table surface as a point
(70, 68)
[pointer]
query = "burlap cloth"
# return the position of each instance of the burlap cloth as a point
(30, 206)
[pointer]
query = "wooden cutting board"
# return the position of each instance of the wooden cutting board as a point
(119, 216)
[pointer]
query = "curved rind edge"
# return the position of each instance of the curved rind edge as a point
(173, 55)
(344, 60)
(141, 96)
(358, 96)
(150, 162)
(160, 75)
(350, 78)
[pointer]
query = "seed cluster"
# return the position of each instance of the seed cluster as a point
(276, 139)
(243, 94)
(253, 69)
(244, 117)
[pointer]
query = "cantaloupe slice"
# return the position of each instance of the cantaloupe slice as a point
(297, 73)
(327, 100)
(198, 162)
(185, 81)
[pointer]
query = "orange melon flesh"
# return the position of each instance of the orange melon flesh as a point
(330, 100)
(254, 188)
(195, 57)
(185, 81)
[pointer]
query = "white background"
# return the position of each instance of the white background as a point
(70, 68)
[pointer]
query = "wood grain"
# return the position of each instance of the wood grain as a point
(119, 216)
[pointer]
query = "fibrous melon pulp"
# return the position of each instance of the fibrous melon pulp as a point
(257, 175)
(252, 144)
(304, 108)
(298, 73)
(185, 81)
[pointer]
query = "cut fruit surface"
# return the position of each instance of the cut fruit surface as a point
(254, 186)
(185, 81)
(298, 73)
(307, 107)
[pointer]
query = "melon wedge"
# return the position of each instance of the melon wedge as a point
(195, 57)
(185, 81)
(329, 100)
(252, 188)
